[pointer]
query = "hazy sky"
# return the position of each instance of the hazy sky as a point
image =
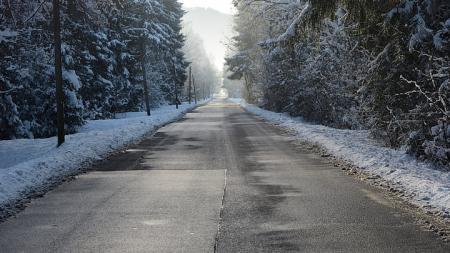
(224, 6)
(214, 28)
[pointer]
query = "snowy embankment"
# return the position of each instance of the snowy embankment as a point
(29, 164)
(422, 183)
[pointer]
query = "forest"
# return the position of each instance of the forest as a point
(107, 47)
(377, 65)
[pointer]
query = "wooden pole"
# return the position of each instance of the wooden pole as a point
(58, 73)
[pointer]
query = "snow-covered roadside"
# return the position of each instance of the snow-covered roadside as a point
(422, 183)
(26, 165)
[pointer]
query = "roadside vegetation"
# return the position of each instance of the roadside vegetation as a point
(376, 65)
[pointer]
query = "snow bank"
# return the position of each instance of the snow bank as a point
(422, 183)
(28, 164)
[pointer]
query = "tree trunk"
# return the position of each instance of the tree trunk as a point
(175, 84)
(72, 9)
(144, 76)
(190, 85)
(195, 89)
(248, 89)
(203, 90)
(58, 73)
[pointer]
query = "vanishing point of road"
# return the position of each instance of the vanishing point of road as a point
(219, 180)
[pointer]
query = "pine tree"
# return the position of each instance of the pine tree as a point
(102, 55)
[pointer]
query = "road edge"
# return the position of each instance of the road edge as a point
(428, 219)
(14, 206)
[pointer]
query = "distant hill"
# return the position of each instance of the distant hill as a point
(214, 27)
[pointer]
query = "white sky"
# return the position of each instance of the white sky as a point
(214, 46)
(224, 6)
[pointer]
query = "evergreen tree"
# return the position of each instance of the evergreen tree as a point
(379, 65)
(103, 48)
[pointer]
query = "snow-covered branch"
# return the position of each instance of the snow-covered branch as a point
(7, 91)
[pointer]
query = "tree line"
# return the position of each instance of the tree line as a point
(108, 48)
(381, 65)
(205, 77)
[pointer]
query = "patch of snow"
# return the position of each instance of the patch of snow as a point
(422, 183)
(117, 43)
(28, 164)
(438, 39)
(105, 81)
(406, 7)
(72, 99)
(290, 31)
(72, 78)
(7, 34)
(421, 33)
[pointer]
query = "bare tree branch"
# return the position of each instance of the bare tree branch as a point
(35, 11)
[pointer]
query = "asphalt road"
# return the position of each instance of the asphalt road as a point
(218, 180)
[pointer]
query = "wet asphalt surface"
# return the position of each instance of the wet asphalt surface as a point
(218, 180)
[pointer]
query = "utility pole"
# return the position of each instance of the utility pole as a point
(190, 84)
(144, 75)
(58, 73)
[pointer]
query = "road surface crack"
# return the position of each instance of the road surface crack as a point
(216, 241)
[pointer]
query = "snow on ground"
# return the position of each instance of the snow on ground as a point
(422, 183)
(27, 164)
